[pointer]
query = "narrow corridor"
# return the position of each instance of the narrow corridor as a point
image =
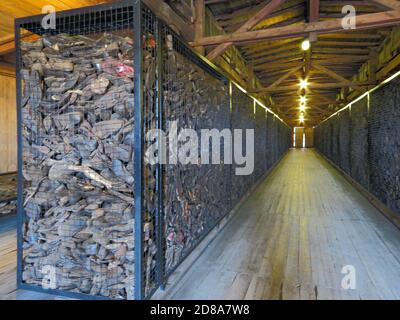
(292, 239)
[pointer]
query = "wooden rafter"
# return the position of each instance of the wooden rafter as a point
(250, 24)
(284, 77)
(390, 4)
(365, 21)
(336, 76)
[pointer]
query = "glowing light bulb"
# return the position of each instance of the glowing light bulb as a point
(302, 118)
(306, 45)
(303, 108)
(303, 84)
(303, 100)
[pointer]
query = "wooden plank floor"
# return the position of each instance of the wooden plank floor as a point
(289, 240)
(292, 238)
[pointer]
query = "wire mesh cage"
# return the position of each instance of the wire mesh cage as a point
(76, 122)
(97, 94)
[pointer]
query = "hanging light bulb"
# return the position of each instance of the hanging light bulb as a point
(302, 107)
(302, 117)
(306, 45)
(303, 83)
(303, 100)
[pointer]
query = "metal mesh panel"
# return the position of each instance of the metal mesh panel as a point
(77, 153)
(320, 137)
(151, 120)
(267, 141)
(260, 142)
(359, 142)
(344, 140)
(284, 136)
(196, 194)
(270, 140)
(335, 153)
(242, 119)
(384, 148)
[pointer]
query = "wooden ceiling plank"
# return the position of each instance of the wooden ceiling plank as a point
(250, 24)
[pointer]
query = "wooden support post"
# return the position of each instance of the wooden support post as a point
(199, 19)
(373, 66)
(251, 78)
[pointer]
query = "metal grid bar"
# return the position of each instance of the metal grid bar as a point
(138, 133)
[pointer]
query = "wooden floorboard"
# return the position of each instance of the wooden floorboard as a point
(289, 240)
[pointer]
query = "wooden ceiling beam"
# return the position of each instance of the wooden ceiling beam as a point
(250, 24)
(348, 44)
(366, 21)
(315, 86)
(363, 36)
(274, 66)
(277, 19)
(169, 16)
(313, 16)
(284, 77)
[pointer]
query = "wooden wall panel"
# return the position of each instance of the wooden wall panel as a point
(309, 137)
(299, 132)
(8, 125)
